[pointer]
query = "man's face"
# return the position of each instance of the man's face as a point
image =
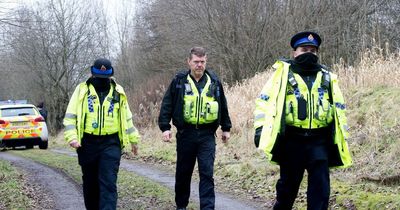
(197, 65)
(305, 49)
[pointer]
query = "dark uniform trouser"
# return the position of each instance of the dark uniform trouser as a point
(192, 144)
(99, 158)
(303, 153)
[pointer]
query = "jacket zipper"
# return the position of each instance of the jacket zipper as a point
(198, 102)
(201, 108)
(311, 99)
(103, 117)
(99, 118)
(311, 109)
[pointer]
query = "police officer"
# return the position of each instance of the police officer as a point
(42, 110)
(98, 123)
(195, 101)
(300, 123)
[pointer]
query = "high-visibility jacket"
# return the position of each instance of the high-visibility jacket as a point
(199, 108)
(173, 103)
(270, 115)
(84, 114)
(316, 111)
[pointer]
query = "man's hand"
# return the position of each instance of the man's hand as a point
(225, 136)
(167, 136)
(74, 144)
(134, 149)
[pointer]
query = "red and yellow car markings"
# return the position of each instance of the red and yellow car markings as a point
(26, 128)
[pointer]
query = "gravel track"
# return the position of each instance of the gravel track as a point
(64, 192)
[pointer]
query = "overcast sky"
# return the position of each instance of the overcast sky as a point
(112, 7)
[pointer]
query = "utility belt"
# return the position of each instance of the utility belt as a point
(91, 136)
(292, 130)
(199, 126)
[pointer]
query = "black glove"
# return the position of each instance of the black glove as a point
(257, 136)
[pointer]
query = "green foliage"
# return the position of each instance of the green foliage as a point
(366, 196)
(136, 192)
(12, 195)
(368, 103)
(375, 134)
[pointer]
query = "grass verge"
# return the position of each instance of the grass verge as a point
(12, 195)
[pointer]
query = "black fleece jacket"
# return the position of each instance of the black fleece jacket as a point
(172, 104)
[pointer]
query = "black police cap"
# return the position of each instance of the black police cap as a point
(102, 68)
(305, 38)
(98, 63)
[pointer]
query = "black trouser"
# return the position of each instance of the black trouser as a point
(302, 153)
(99, 158)
(192, 144)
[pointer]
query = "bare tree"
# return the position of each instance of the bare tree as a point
(56, 43)
(124, 24)
(244, 37)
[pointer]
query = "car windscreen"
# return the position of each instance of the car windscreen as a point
(17, 111)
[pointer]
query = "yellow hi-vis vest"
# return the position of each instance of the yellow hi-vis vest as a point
(75, 122)
(269, 111)
(318, 112)
(101, 119)
(199, 108)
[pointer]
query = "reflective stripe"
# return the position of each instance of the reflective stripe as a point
(111, 108)
(70, 116)
(90, 102)
(130, 130)
(259, 116)
(70, 127)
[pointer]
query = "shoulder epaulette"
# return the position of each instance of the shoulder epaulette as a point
(212, 74)
(323, 67)
(285, 60)
(182, 73)
(326, 77)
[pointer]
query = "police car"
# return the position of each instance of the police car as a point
(22, 125)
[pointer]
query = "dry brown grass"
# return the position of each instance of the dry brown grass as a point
(372, 93)
(375, 69)
(146, 100)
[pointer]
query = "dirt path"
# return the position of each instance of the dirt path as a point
(222, 201)
(65, 193)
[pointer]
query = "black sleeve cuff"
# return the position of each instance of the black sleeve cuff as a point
(257, 136)
(165, 127)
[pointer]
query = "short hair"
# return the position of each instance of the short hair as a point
(198, 51)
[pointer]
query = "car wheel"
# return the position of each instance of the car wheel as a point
(29, 146)
(43, 145)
